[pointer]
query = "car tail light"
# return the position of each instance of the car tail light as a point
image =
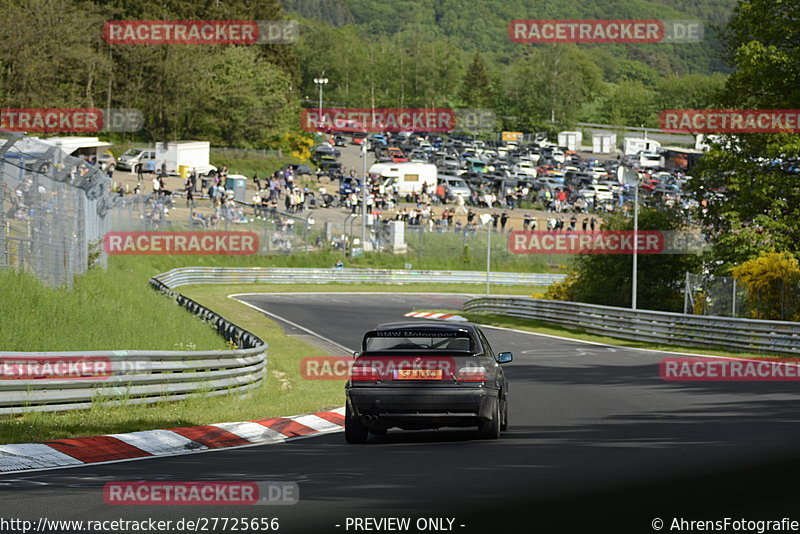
(472, 373)
(364, 373)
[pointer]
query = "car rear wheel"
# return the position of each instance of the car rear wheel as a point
(354, 429)
(491, 429)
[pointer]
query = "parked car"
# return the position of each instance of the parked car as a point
(602, 192)
(324, 151)
(455, 186)
(107, 161)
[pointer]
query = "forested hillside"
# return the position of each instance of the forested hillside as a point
(482, 25)
(407, 53)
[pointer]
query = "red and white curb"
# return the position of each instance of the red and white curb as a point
(174, 441)
(439, 316)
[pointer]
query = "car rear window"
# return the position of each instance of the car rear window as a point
(401, 340)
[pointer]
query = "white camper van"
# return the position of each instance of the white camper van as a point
(409, 177)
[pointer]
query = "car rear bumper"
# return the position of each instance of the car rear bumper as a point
(429, 407)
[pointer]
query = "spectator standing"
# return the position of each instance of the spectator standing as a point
(189, 190)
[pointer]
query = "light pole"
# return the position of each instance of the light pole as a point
(321, 82)
(488, 256)
(364, 149)
(635, 243)
(486, 218)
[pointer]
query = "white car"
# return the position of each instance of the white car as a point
(602, 192)
(615, 187)
(558, 156)
(525, 167)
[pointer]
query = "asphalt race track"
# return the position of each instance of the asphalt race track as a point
(597, 442)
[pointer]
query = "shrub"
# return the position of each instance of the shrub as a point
(773, 285)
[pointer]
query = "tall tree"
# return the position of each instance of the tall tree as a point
(49, 59)
(748, 184)
(477, 90)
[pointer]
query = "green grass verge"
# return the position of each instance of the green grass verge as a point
(104, 311)
(540, 327)
(284, 392)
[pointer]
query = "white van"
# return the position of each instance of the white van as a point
(135, 156)
(650, 160)
(409, 177)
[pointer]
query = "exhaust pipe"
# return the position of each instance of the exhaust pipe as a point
(371, 418)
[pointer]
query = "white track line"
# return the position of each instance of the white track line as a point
(287, 321)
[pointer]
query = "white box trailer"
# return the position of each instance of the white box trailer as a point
(191, 154)
(409, 177)
(634, 145)
(571, 140)
(604, 143)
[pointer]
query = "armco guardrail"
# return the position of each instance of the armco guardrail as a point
(777, 337)
(273, 275)
(140, 377)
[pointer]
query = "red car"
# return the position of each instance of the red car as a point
(649, 184)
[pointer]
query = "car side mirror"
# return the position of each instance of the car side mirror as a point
(504, 357)
(356, 354)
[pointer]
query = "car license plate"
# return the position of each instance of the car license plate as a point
(418, 374)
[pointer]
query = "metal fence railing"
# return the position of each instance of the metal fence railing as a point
(777, 337)
(262, 275)
(53, 209)
(142, 377)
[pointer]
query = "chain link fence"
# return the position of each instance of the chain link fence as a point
(54, 210)
(715, 295)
